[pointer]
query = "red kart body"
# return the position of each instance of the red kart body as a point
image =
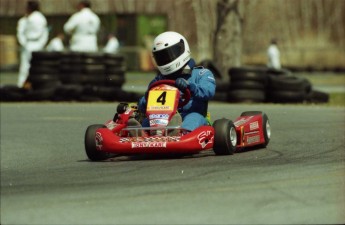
(194, 142)
(224, 136)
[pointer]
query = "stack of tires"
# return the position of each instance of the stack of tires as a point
(43, 76)
(287, 89)
(12, 93)
(114, 78)
(260, 84)
(76, 76)
(85, 75)
(247, 84)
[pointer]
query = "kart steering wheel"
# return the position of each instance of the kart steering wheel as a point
(186, 92)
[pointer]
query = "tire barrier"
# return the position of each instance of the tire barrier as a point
(260, 84)
(247, 84)
(72, 76)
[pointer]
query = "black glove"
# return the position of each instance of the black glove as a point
(181, 84)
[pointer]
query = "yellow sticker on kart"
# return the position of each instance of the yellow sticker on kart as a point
(161, 100)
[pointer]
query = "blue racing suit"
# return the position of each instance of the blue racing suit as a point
(202, 85)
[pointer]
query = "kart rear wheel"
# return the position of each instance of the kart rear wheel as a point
(266, 128)
(251, 113)
(225, 138)
(90, 144)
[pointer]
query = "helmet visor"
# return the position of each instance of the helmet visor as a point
(168, 55)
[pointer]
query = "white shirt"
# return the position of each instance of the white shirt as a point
(32, 32)
(55, 44)
(273, 57)
(112, 45)
(83, 26)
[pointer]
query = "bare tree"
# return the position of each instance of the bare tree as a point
(227, 40)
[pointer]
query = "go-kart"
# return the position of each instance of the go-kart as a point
(124, 135)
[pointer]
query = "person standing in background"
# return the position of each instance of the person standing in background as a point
(273, 55)
(56, 44)
(32, 35)
(83, 26)
(112, 44)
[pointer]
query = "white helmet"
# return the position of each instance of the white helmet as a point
(170, 51)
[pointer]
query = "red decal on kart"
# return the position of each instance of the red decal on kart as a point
(159, 116)
(254, 125)
(253, 139)
(111, 125)
(242, 121)
(159, 107)
(128, 111)
(99, 140)
(164, 88)
(205, 139)
(149, 144)
(163, 122)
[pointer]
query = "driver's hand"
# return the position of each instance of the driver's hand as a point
(181, 84)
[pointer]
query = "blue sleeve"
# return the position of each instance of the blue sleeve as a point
(203, 84)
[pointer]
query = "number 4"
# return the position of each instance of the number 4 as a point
(162, 98)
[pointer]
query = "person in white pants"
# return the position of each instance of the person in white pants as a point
(273, 55)
(83, 26)
(32, 35)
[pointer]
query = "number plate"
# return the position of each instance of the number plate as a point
(161, 100)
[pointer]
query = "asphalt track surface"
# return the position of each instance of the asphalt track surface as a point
(46, 177)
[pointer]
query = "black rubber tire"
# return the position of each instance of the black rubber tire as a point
(45, 94)
(288, 83)
(93, 68)
(208, 64)
(224, 131)
(286, 96)
(121, 69)
(246, 95)
(9, 93)
(247, 84)
(248, 73)
(93, 57)
(115, 57)
(43, 70)
(220, 96)
(80, 78)
(46, 63)
(114, 80)
(317, 97)
(44, 55)
(70, 68)
(279, 72)
(222, 85)
(68, 92)
(96, 79)
(251, 113)
(39, 81)
(121, 108)
(90, 144)
(266, 128)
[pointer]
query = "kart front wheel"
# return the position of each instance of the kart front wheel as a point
(90, 144)
(225, 138)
